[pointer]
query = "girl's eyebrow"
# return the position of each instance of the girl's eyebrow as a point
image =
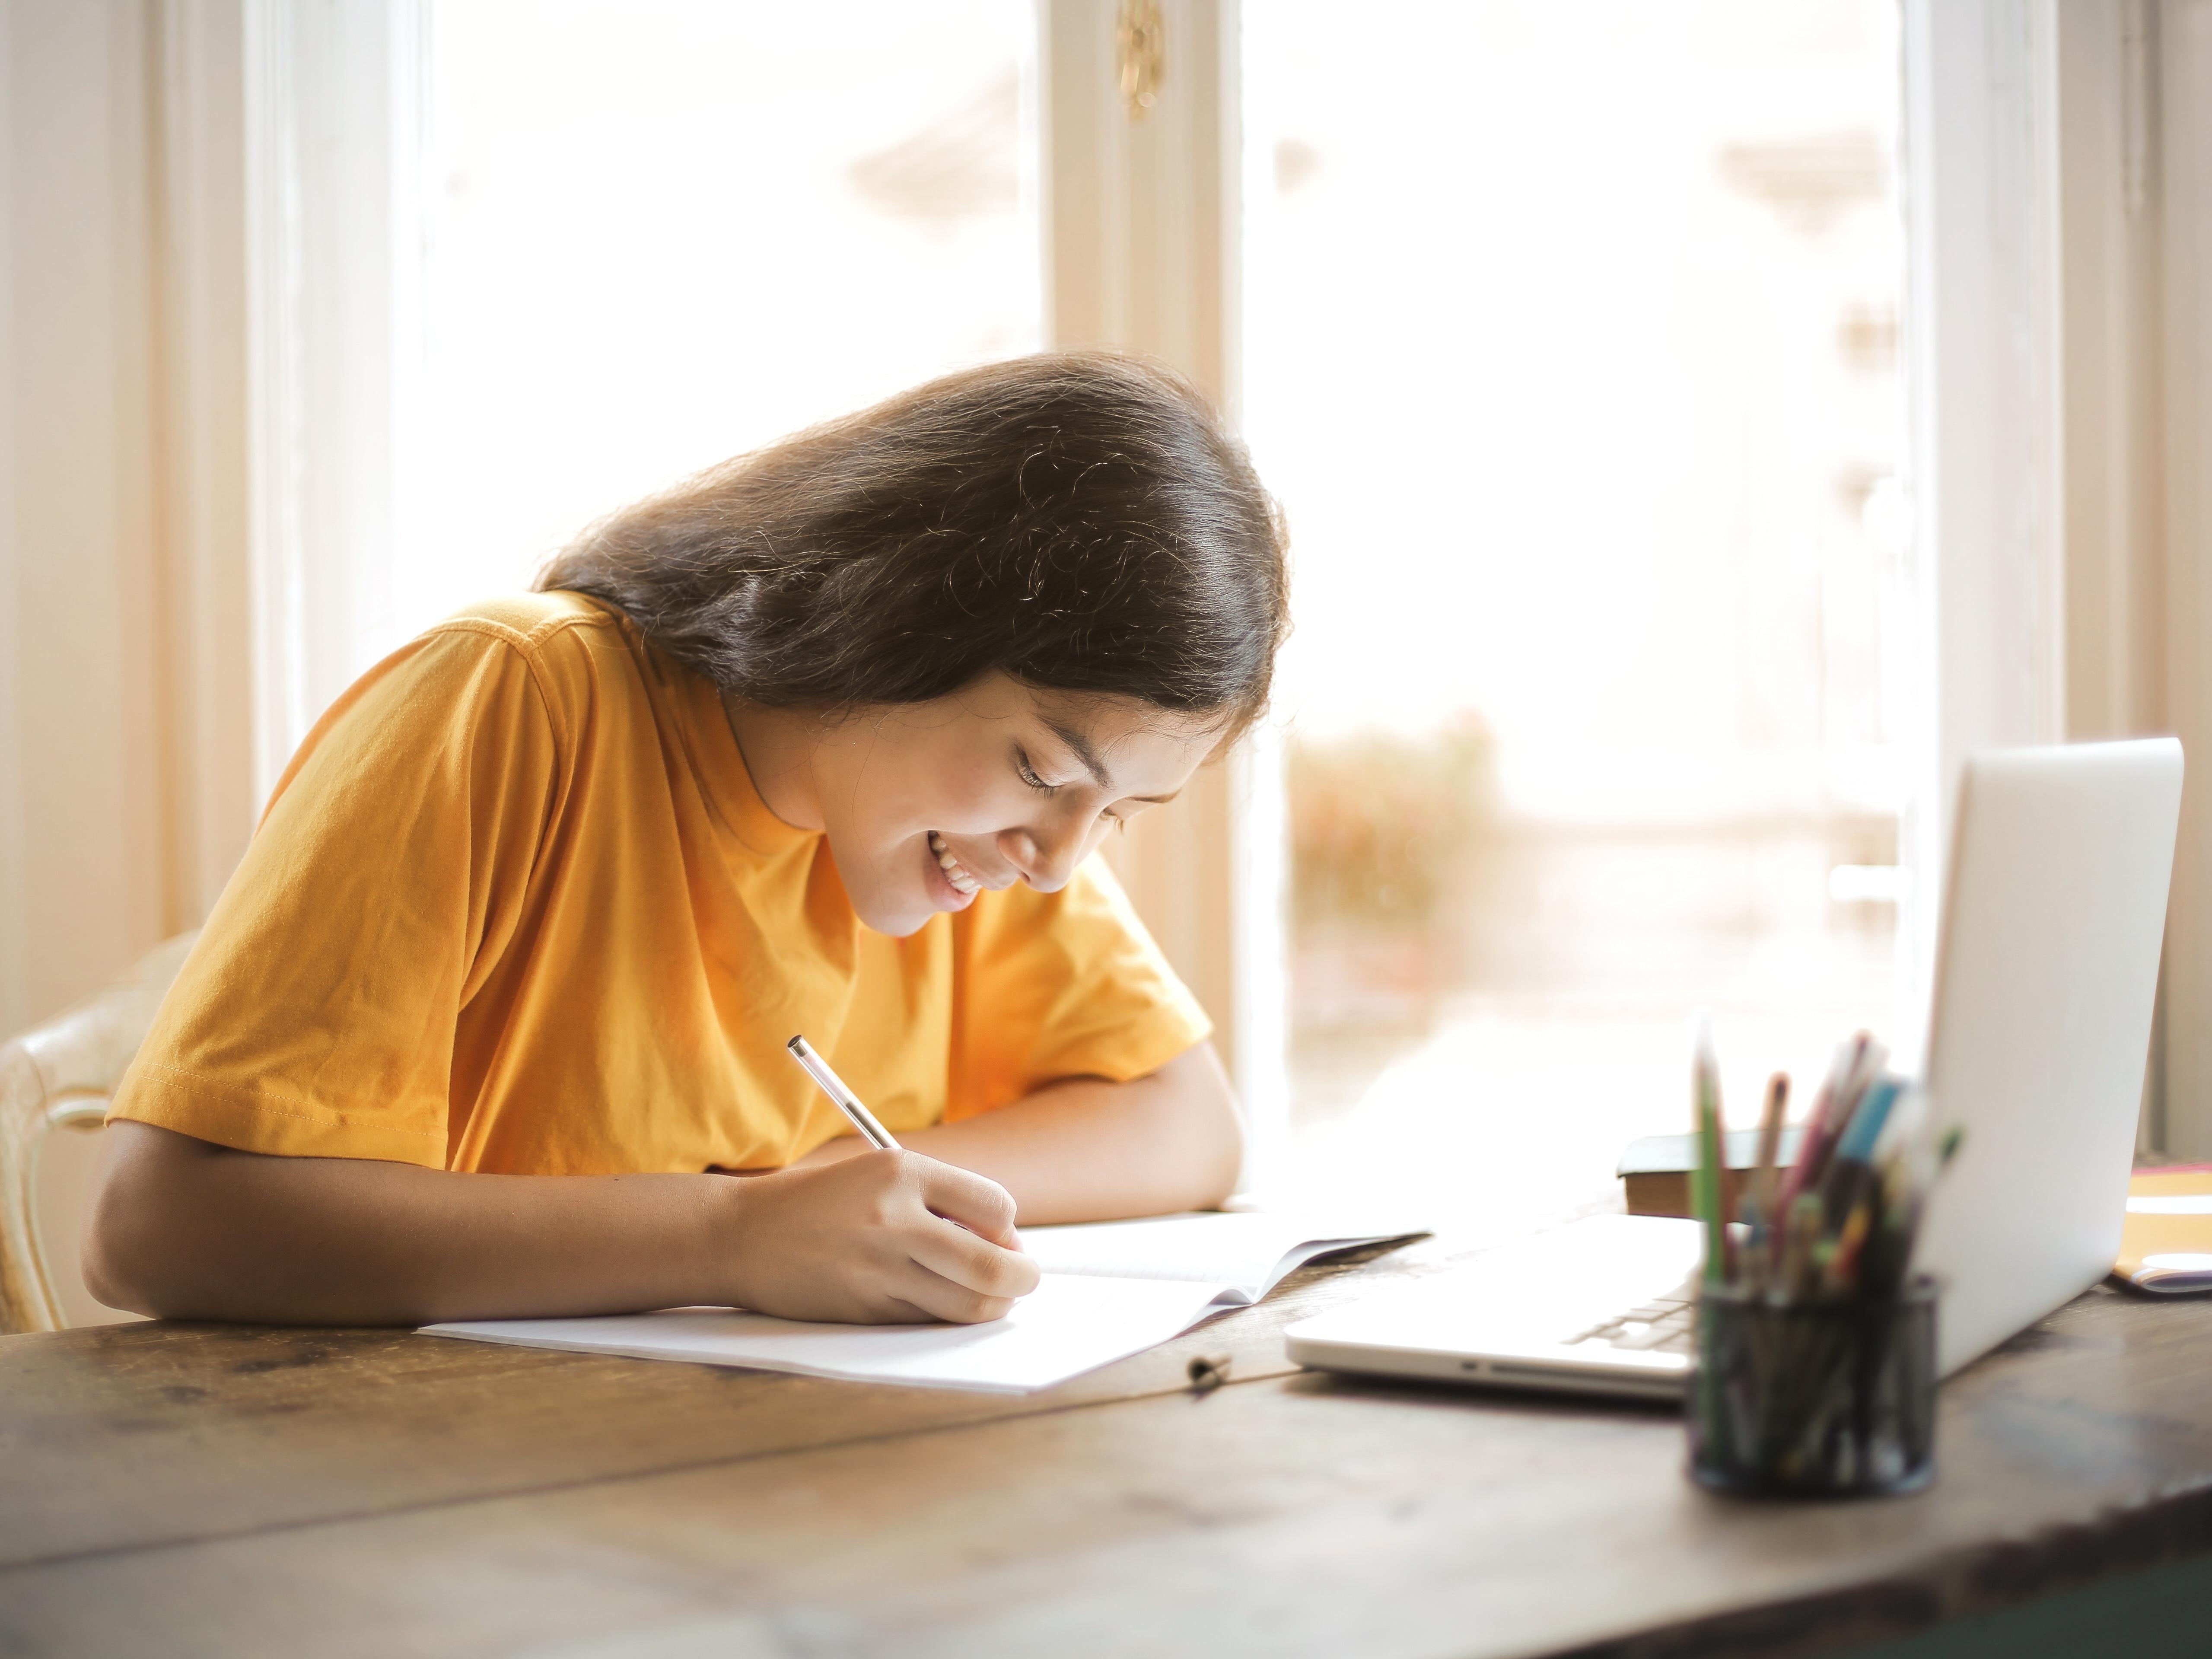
(1080, 746)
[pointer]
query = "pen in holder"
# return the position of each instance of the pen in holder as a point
(1826, 1399)
(1815, 1370)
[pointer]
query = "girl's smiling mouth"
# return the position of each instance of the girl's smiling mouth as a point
(956, 876)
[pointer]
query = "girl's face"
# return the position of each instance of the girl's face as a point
(926, 805)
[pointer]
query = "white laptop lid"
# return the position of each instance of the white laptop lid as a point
(2045, 978)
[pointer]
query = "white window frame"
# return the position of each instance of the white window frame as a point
(1143, 231)
(334, 109)
(2059, 183)
(2173, 448)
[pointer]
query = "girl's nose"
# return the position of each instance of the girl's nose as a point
(1046, 860)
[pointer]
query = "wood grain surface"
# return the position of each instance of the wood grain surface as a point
(381, 1494)
(128, 1436)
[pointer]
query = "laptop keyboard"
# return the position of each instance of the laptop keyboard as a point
(1659, 1326)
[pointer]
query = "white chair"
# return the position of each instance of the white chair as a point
(54, 1077)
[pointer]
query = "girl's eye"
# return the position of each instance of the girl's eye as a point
(1028, 774)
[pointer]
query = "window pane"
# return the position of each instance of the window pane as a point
(1572, 349)
(661, 233)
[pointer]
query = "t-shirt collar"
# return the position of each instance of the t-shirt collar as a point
(721, 764)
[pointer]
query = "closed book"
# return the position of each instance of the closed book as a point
(2166, 1244)
(1654, 1171)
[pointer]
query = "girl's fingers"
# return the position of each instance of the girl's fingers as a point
(935, 1297)
(982, 1206)
(969, 1263)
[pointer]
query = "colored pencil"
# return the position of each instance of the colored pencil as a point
(1706, 1104)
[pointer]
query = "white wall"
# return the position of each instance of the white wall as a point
(2059, 181)
(1980, 337)
(2132, 335)
(2182, 180)
(85, 879)
(125, 796)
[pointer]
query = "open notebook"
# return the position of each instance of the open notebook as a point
(1109, 1290)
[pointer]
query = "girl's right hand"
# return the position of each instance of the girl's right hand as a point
(879, 1238)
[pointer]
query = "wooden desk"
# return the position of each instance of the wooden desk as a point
(176, 1489)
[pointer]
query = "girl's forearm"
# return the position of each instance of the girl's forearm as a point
(184, 1229)
(1088, 1150)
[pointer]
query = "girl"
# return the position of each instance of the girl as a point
(816, 742)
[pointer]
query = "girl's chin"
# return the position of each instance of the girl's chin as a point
(903, 921)
(900, 915)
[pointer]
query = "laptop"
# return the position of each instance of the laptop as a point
(2046, 972)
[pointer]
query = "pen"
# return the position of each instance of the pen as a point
(1760, 1208)
(1800, 1223)
(1765, 1176)
(1858, 1064)
(1844, 1265)
(1851, 1170)
(1705, 1182)
(848, 1102)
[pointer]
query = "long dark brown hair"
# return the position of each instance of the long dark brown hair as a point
(1079, 520)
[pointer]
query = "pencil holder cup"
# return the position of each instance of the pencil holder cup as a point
(1814, 1399)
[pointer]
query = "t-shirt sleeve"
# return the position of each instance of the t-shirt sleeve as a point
(1053, 986)
(316, 1014)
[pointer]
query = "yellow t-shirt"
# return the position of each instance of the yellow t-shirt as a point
(515, 905)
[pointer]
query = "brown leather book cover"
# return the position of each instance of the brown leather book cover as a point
(1654, 1171)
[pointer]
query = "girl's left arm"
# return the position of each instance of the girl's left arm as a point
(1088, 1150)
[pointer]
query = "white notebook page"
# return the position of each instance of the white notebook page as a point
(1068, 1325)
(1252, 1252)
(1109, 1290)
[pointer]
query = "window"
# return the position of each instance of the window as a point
(1571, 339)
(1572, 347)
(657, 236)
